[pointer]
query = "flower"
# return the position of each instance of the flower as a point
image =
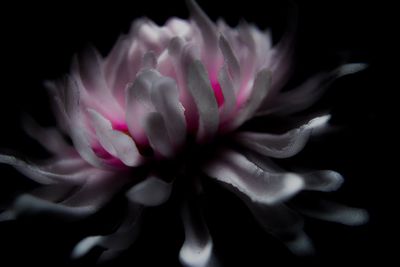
(173, 105)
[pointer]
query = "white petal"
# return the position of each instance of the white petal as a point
(282, 145)
(260, 89)
(275, 145)
(325, 181)
(27, 205)
(156, 131)
(200, 88)
(46, 174)
(151, 192)
(115, 142)
(138, 104)
(92, 71)
(231, 60)
(305, 95)
(196, 251)
(337, 213)
(297, 99)
(98, 188)
(114, 243)
(261, 186)
(165, 97)
(84, 246)
(114, 60)
(228, 91)
(77, 129)
(205, 25)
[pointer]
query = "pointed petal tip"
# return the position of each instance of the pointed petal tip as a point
(84, 246)
(351, 68)
(319, 121)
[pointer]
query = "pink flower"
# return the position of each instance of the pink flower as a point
(168, 104)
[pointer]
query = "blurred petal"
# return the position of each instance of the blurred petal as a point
(337, 213)
(277, 219)
(197, 249)
(48, 173)
(28, 205)
(301, 245)
(325, 181)
(165, 97)
(231, 60)
(275, 145)
(260, 89)
(76, 127)
(281, 145)
(115, 142)
(50, 138)
(259, 185)
(138, 104)
(91, 70)
(205, 25)
(156, 131)
(151, 192)
(114, 243)
(228, 91)
(200, 88)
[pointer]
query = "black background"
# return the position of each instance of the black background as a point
(38, 41)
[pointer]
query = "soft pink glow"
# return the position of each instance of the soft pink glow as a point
(120, 126)
(219, 96)
(108, 158)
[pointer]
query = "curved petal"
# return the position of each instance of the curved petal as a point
(156, 131)
(337, 213)
(151, 192)
(281, 145)
(275, 145)
(200, 88)
(50, 138)
(261, 86)
(228, 91)
(138, 104)
(197, 249)
(325, 181)
(165, 97)
(305, 95)
(260, 186)
(231, 61)
(115, 142)
(98, 188)
(114, 243)
(77, 130)
(206, 26)
(91, 71)
(28, 205)
(54, 172)
(300, 244)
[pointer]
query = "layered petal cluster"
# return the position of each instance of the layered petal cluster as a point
(162, 94)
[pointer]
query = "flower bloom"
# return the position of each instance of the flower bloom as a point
(168, 105)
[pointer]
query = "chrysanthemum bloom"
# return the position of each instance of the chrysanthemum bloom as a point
(169, 105)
